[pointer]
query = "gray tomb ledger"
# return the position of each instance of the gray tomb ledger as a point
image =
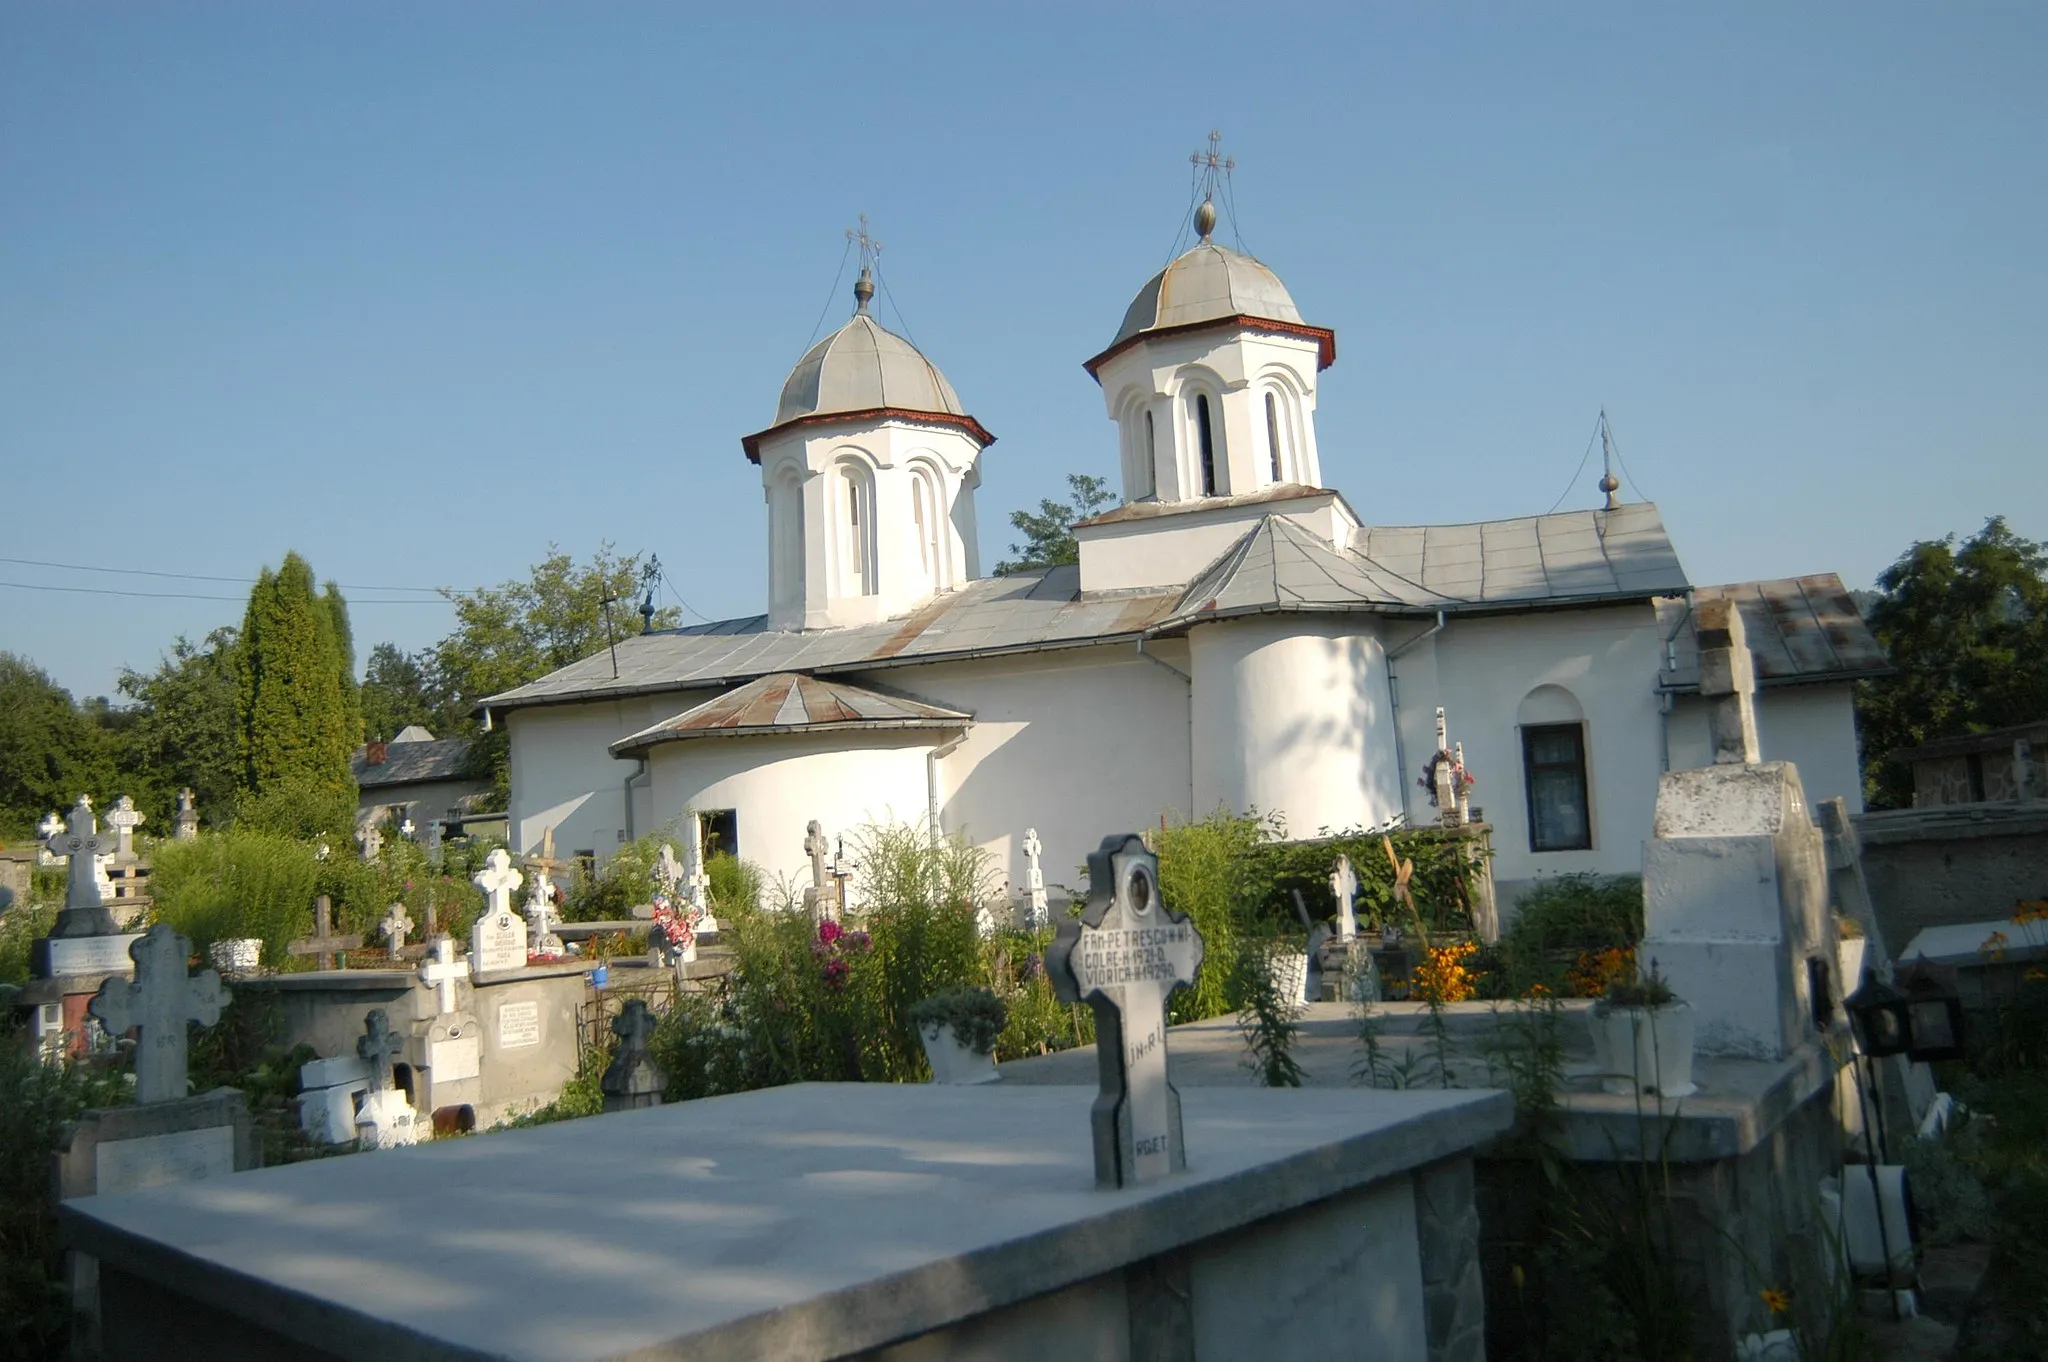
(158, 1002)
(1124, 958)
(632, 1080)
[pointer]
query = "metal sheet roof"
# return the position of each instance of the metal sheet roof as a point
(1800, 629)
(1550, 559)
(410, 763)
(786, 702)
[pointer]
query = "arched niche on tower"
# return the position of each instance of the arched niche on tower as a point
(1280, 402)
(1201, 441)
(933, 556)
(786, 540)
(855, 565)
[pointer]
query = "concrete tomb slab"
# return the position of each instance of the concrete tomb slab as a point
(807, 1222)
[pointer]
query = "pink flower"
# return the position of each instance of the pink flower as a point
(829, 932)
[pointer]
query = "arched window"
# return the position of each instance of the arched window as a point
(1554, 774)
(1151, 487)
(1205, 437)
(1273, 434)
(857, 512)
(925, 524)
(786, 540)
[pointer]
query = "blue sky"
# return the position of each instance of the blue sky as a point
(418, 290)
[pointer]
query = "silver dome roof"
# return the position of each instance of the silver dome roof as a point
(861, 367)
(1206, 284)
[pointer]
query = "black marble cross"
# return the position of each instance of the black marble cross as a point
(1124, 958)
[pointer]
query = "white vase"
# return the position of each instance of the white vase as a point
(1290, 976)
(953, 1061)
(1646, 1049)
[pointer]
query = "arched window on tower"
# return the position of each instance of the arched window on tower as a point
(924, 522)
(786, 540)
(857, 518)
(1205, 437)
(1273, 435)
(1151, 487)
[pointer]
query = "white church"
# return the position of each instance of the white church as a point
(1235, 635)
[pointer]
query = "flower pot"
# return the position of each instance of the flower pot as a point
(1646, 1049)
(237, 955)
(1290, 976)
(952, 1061)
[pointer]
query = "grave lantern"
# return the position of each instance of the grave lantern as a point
(1881, 1016)
(1935, 1031)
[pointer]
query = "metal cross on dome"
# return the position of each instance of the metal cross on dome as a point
(1124, 958)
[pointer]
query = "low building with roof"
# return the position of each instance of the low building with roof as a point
(1235, 635)
(416, 776)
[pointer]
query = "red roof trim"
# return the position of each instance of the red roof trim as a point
(1325, 339)
(752, 443)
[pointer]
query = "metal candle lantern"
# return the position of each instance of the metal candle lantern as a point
(1935, 1031)
(1881, 1016)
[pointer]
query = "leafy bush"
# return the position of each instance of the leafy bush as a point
(1572, 935)
(300, 810)
(36, 1102)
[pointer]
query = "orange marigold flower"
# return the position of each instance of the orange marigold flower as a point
(1994, 945)
(1776, 1301)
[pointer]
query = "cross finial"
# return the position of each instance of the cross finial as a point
(870, 256)
(1210, 166)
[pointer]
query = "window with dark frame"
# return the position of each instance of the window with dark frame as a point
(1206, 437)
(1554, 769)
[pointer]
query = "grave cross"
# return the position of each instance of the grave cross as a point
(817, 848)
(444, 971)
(1035, 911)
(397, 922)
(545, 865)
(668, 871)
(124, 818)
(376, 1046)
(632, 1080)
(48, 828)
(158, 1002)
(370, 838)
(498, 879)
(1727, 682)
(85, 907)
(1344, 884)
(185, 827)
(1124, 958)
(324, 941)
(695, 877)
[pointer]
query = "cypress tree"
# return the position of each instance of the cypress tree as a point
(345, 650)
(294, 720)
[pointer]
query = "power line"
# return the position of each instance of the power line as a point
(188, 595)
(823, 311)
(193, 576)
(1576, 471)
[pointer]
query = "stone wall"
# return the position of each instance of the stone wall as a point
(1730, 1228)
(1934, 867)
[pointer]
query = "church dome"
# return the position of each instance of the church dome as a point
(861, 367)
(1208, 283)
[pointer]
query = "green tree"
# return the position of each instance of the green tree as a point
(398, 690)
(345, 652)
(519, 631)
(296, 728)
(1966, 628)
(1049, 531)
(51, 751)
(181, 728)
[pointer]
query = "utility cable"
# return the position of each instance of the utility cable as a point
(195, 576)
(1593, 439)
(195, 596)
(824, 311)
(1623, 462)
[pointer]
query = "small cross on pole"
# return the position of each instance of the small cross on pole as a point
(444, 971)
(158, 1002)
(325, 941)
(1124, 958)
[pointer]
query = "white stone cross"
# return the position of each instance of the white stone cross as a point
(397, 922)
(1727, 682)
(1035, 911)
(695, 878)
(370, 838)
(124, 818)
(85, 906)
(1344, 884)
(185, 827)
(498, 879)
(49, 828)
(1125, 957)
(158, 1002)
(668, 872)
(444, 971)
(817, 848)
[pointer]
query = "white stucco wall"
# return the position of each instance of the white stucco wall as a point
(429, 798)
(1291, 717)
(777, 784)
(564, 776)
(1814, 727)
(1480, 670)
(1076, 743)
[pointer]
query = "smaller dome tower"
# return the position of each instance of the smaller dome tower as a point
(1211, 378)
(869, 472)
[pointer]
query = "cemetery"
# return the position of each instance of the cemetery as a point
(909, 1111)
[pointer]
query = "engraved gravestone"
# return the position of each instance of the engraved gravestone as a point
(158, 1003)
(1124, 958)
(498, 938)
